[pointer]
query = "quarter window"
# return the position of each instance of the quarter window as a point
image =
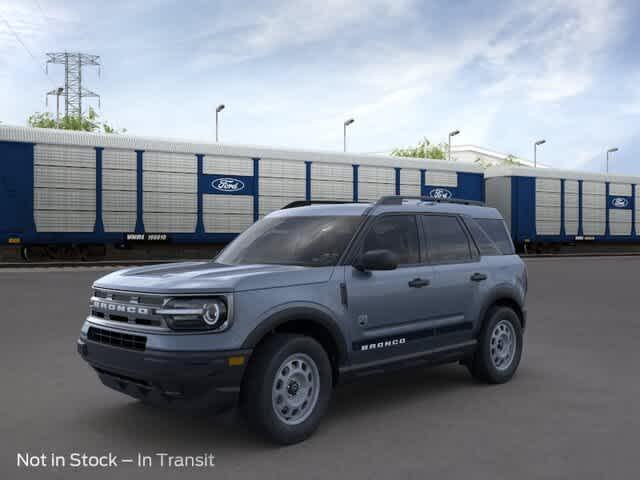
(447, 242)
(397, 233)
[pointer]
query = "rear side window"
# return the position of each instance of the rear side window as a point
(497, 231)
(397, 233)
(447, 241)
(483, 242)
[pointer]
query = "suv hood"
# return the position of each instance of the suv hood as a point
(206, 277)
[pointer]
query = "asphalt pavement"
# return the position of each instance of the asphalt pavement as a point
(571, 412)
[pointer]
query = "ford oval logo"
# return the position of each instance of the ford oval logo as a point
(228, 184)
(440, 193)
(620, 202)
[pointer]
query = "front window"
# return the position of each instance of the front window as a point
(315, 241)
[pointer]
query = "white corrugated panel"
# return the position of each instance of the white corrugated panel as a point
(119, 179)
(593, 228)
(548, 199)
(64, 221)
(227, 213)
(119, 200)
(332, 171)
(169, 162)
(119, 159)
(409, 176)
(218, 165)
(619, 221)
(547, 227)
(570, 228)
(64, 177)
(548, 185)
(271, 204)
(169, 182)
(594, 201)
(368, 174)
(441, 178)
(637, 207)
(571, 186)
(598, 188)
(548, 214)
(283, 168)
(119, 221)
(64, 199)
(226, 223)
(330, 190)
(170, 202)
(279, 187)
(620, 189)
(412, 190)
(373, 191)
(169, 222)
(64, 156)
(227, 204)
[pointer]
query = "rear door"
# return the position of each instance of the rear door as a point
(459, 274)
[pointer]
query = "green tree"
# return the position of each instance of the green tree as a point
(509, 161)
(88, 123)
(424, 149)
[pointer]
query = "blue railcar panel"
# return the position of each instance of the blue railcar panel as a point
(470, 187)
(16, 190)
(523, 208)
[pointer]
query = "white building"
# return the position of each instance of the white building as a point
(486, 157)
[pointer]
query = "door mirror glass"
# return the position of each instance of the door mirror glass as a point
(377, 260)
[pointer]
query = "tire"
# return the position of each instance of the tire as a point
(287, 388)
(499, 347)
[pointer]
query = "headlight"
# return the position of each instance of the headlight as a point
(196, 313)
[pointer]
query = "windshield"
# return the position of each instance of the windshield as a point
(307, 241)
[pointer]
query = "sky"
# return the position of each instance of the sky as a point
(290, 72)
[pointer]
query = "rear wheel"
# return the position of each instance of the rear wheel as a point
(287, 388)
(499, 347)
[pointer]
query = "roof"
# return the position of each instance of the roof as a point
(356, 209)
(66, 137)
(492, 153)
(493, 172)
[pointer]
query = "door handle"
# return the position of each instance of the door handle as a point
(478, 277)
(419, 283)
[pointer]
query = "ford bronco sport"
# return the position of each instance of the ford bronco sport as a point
(309, 297)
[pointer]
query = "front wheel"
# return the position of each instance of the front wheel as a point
(499, 347)
(287, 388)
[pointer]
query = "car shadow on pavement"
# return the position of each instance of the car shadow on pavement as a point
(373, 395)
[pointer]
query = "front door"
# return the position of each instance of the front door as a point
(383, 305)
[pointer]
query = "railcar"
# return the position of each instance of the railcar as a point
(547, 209)
(72, 194)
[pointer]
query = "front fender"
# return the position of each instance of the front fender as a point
(314, 313)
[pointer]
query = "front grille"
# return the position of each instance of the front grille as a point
(117, 339)
(127, 307)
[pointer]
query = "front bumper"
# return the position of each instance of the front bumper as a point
(181, 379)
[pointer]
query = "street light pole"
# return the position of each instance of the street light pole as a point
(535, 152)
(219, 108)
(611, 150)
(452, 134)
(344, 133)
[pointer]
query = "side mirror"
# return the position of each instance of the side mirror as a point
(376, 260)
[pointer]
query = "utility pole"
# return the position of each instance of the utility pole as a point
(73, 90)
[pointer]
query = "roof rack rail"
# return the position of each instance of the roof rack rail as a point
(307, 203)
(398, 199)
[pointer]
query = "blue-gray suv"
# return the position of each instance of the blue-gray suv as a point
(309, 297)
